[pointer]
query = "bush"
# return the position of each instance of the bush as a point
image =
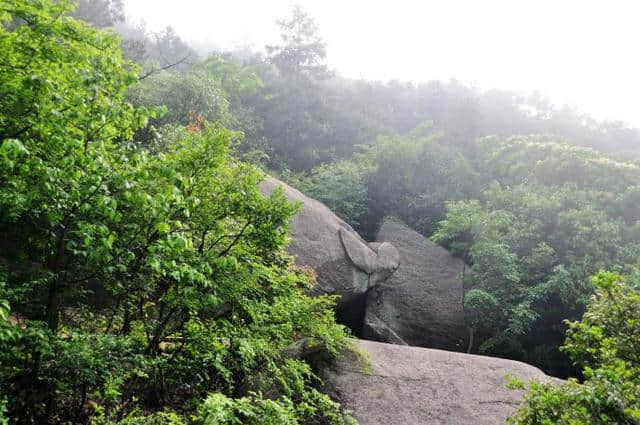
(606, 345)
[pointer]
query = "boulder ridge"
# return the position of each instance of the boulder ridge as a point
(419, 386)
(343, 262)
(421, 303)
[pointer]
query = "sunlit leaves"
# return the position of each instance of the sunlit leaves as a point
(141, 281)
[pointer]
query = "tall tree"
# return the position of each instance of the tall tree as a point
(302, 51)
(99, 13)
(148, 288)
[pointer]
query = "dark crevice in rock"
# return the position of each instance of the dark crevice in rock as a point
(351, 313)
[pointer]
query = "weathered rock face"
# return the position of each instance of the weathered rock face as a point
(344, 263)
(420, 386)
(421, 303)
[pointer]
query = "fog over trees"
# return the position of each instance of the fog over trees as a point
(143, 277)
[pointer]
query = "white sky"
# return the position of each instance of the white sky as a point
(580, 52)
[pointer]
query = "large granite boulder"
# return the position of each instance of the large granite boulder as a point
(421, 303)
(419, 386)
(343, 262)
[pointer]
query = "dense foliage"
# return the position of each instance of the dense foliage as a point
(410, 177)
(605, 344)
(137, 287)
(532, 216)
(142, 274)
(553, 215)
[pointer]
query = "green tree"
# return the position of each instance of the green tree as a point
(294, 106)
(142, 286)
(99, 13)
(413, 176)
(605, 345)
(342, 186)
(302, 51)
(63, 109)
(531, 249)
(211, 89)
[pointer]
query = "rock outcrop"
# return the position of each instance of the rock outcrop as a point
(420, 386)
(343, 262)
(421, 303)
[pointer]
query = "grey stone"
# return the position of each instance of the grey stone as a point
(420, 386)
(377, 330)
(358, 252)
(343, 262)
(387, 262)
(421, 303)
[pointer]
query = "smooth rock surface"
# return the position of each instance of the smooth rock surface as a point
(421, 303)
(420, 386)
(343, 262)
(387, 262)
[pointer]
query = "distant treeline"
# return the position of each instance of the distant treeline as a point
(300, 114)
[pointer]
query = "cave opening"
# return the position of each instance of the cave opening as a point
(351, 313)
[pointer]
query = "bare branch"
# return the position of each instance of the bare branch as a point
(164, 68)
(235, 240)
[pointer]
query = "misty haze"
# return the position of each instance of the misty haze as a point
(319, 213)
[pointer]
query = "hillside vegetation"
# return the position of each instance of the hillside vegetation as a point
(144, 278)
(142, 287)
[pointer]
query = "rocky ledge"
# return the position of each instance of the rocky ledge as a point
(402, 385)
